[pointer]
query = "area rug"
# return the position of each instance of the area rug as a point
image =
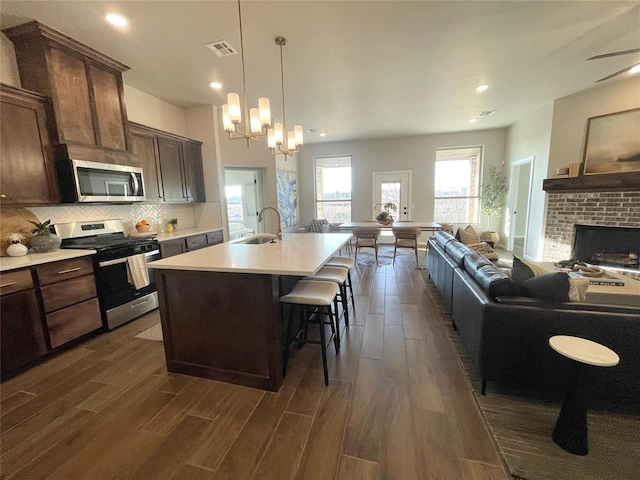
(154, 333)
(367, 256)
(521, 424)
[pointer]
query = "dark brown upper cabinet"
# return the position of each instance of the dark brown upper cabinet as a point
(88, 116)
(26, 154)
(172, 165)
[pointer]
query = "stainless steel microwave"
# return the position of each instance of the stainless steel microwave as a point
(105, 182)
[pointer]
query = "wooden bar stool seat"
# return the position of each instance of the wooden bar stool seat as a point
(319, 295)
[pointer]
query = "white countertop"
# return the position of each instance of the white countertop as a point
(31, 259)
(298, 254)
(182, 233)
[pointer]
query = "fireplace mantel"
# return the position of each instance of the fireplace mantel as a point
(629, 181)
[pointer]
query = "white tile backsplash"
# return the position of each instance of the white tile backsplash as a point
(156, 214)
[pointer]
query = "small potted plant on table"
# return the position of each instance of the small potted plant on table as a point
(385, 217)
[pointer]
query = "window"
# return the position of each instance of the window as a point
(457, 185)
(333, 188)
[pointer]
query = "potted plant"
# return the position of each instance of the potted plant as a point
(493, 201)
(172, 225)
(385, 217)
(44, 241)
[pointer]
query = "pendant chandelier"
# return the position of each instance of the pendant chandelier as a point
(257, 120)
(278, 144)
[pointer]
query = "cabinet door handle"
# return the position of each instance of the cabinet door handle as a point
(7, 284)
(69, 270)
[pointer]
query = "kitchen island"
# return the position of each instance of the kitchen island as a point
(220, 309)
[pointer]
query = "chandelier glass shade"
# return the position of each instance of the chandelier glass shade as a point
(276, 141)
(257, 120)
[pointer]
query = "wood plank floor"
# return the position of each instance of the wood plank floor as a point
(397, 406)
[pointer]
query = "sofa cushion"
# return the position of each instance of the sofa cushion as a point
(317, 225)
(474, 261)
(552, 286)
(457, 251)
(494, 281)
(443, 238)
(484, 249)
(468, 235)
(523, 270)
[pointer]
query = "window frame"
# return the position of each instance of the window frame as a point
(471, 198)
(317, 201)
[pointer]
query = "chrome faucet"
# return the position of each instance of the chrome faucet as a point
(279, 232)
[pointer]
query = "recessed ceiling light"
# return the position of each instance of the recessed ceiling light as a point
(473, 120)
(323, 134)
(482, 88)
(215, 85)
(116, 19)
(635, 69)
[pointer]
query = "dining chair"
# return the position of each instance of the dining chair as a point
(406, 237)
(366, 237)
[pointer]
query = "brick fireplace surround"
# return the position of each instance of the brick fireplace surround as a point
(564, 210)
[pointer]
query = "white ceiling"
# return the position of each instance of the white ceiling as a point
(360, 69)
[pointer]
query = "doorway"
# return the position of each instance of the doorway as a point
(243, 195)
(392, 187)
(519, 202)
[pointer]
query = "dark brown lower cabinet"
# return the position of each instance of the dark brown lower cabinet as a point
(22, 338)
(74, 321)
(170, 248)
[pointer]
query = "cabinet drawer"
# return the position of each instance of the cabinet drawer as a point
(11, 282)
(214, 238)
(69, 292)
(72, 322)
(196, 241)
(64, 270)
(171, 248)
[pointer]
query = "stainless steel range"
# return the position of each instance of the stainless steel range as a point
(126, 288)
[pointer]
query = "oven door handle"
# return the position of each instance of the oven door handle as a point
(108, 263)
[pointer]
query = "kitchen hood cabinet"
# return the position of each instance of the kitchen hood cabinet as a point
(172, 165)
(88, 112)
(26, 154)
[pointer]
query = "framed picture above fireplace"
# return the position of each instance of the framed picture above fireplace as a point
(613, 143)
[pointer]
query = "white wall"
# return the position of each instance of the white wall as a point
(8, 65)
(415, 153)
(153, 112)
(571, 115)
(531, 137)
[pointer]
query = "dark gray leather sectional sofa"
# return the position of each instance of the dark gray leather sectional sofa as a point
(507, 336)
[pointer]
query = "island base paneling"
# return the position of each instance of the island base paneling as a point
(223, 326)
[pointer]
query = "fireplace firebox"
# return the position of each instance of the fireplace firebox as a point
(609, 246)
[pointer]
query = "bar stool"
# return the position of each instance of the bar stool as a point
(337, 275)
(319, 296)
(348, 263)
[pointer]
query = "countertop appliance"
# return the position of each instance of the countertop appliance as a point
(82, 181)
(120, 300)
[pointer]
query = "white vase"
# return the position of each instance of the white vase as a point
(17, 250)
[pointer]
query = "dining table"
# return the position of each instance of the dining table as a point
(424, 226)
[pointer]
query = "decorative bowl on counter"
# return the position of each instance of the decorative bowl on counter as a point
(142, 226)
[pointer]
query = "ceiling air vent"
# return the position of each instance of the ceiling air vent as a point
(488, 113)
(221, 48)
(312, 130)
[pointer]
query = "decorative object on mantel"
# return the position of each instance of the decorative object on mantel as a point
(493, 201)
(385, 217)
(613, 143)
(16, 249)
(257, 120)
(44, 241)
(575, 170)
(276, 141)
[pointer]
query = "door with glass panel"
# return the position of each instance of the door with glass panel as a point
(395, 188)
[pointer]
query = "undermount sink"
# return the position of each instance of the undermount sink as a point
(256, 239)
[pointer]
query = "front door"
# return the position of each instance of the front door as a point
(392, 187)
